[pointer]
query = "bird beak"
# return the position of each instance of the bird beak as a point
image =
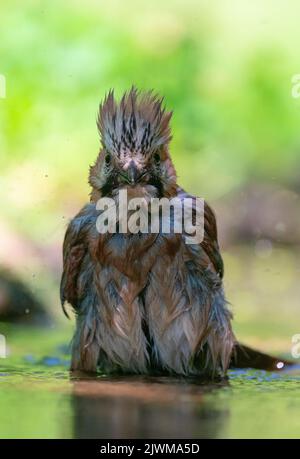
(132, 173)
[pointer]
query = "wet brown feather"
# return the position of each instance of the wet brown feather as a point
(147, 302)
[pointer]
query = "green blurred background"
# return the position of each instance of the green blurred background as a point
(225, 68)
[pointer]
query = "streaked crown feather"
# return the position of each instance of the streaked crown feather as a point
(138, 124)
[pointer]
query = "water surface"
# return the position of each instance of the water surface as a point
(39, 399)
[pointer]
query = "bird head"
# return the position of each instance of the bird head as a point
(135, 135)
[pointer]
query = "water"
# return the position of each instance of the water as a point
(40, 399)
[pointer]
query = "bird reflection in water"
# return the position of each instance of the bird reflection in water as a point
(145, 407)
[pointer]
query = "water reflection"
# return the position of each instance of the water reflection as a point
(140, 407)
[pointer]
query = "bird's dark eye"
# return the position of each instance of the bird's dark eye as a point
(107, 159)
(157, 158)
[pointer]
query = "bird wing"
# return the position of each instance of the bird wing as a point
(74, 253)
(209, 243)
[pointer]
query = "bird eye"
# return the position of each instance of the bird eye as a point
(157, 158)
(107, 159)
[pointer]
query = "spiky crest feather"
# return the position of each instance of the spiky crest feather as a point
(138, 124)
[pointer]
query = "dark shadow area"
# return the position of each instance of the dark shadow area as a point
(18, 304)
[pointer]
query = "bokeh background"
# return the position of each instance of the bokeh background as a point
(225, 68)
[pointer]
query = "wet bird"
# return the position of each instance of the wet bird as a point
(146, 303)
